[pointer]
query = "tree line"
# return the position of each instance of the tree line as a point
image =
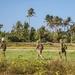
(55, 29)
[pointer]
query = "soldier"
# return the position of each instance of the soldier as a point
(39, 46)
(63, 48)
(3, 46)
(3, 38)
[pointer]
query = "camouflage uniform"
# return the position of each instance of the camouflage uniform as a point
(3, 46)
(39, 46)
(62, 48)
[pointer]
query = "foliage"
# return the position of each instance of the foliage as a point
(24, 66)
(56, 30)
(24, 63)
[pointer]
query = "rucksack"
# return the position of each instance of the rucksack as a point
(65, 47)
(3, 45)
(42, 47)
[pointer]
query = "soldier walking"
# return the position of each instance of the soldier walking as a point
(3, 46)
(63, 48)
(39, 48)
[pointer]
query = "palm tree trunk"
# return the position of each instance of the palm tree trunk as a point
(29, 29)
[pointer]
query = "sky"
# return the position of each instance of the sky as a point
(12, 11)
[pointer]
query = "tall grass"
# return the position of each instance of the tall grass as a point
(22, 62)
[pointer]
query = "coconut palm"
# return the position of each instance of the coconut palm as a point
(49, 20)
(30, 14)
(57, 21)
(66, 23)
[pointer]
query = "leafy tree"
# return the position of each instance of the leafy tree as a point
(72, 31)
(60, 34)
(17, 31)
(26, 31)
(43, 34)
(19, 26)
(47, 36)
(32, 34)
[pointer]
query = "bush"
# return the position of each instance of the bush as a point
(22, 66)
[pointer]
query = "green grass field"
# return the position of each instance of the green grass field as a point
(24, 62)
(48, 55)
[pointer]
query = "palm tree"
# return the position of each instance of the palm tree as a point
(66, 22)
(57, 21)
(30, 14)
(49, 20)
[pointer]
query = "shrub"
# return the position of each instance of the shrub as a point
(22, 66)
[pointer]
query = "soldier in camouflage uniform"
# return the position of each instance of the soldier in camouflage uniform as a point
(3, 46)
(63, 48)
(39, 48)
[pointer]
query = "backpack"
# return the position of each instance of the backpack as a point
(42, 47)
(65, 47)
(3, 45)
